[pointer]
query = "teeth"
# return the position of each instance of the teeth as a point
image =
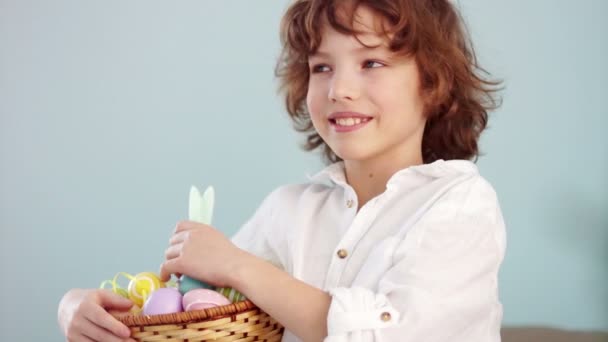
(348, 121)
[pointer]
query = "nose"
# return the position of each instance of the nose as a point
(343, 87)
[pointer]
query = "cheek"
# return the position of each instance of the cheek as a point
(405, 99)
(310, 102)
(314, 103)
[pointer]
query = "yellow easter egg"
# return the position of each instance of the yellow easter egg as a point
(142, 285)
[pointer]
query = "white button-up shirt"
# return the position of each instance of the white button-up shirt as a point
(417, 263)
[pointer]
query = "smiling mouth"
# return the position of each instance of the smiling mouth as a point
(349, 122)
(346, 125)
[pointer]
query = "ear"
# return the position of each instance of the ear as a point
(201, 206)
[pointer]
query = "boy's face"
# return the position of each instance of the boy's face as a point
(365, 103)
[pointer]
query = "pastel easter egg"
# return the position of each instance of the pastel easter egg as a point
(230, 293)
(142, 285)
(163, 301)
(187, 284)
(200, 299)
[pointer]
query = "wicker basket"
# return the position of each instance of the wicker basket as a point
(238, 322)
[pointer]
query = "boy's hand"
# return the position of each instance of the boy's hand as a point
(83, 317)
(201, 252)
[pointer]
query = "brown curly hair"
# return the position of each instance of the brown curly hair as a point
(456, 96)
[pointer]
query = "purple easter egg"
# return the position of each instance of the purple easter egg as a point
(163, 301)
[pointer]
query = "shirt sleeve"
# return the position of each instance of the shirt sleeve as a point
(442, 285)
(254, 235)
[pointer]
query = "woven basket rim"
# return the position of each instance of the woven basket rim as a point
(209, 314)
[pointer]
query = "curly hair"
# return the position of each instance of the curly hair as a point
(455, 94)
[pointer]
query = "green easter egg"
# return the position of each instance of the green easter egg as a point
(230, 293)
(186, 284)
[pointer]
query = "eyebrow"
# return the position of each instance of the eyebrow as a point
(356, 50)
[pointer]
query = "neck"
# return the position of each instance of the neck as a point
(369, 177)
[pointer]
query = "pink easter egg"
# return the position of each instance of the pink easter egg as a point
(163, 301)
(200, 299)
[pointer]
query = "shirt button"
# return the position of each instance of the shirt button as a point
(342, 253)
(350, 203)
(386, 316)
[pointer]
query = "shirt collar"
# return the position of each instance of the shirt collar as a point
(333, 173)
(437, 169)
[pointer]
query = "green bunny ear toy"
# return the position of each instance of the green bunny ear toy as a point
(201, 206)
(200, 210)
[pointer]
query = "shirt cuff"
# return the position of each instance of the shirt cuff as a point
(356, 309)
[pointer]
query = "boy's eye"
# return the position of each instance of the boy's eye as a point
(319, 68)
(369, 64)
(372, 64)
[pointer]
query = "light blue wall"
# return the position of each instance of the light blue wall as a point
(110, 110)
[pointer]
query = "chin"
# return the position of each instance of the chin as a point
(352, 153)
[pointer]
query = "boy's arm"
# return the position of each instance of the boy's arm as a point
(299, 307)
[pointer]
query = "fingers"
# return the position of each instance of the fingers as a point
(187, 225)
(183, 225)
(169, 267)
(84, 319)
(181, 234)
(178, 238)
(111, 300)
(79, 338)
(108, 323)
(92, 332)
(173, 252)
